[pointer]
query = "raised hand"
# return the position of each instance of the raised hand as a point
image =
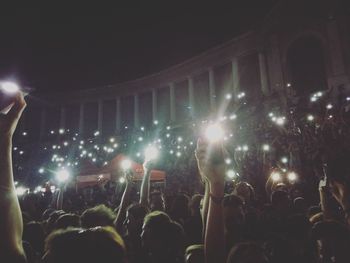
(9, 121)
(211, 161)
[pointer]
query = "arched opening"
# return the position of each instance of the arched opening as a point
(307, 70)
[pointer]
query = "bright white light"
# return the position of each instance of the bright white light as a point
(310, 117)
(233, 117)
(41, 170)
(228, 161)
(245, 148)
(21, 190)
(24, 133)
(151, 153)
(284, 160)
(313, 99)
(231, 174)
(266, 147)
(61, 131)
(140, 139)
(65, 143)
(178, 154)
(179, 139)
(155, 122)
(292, 176)
(9, 87)
(142, 128)
(289, 85)
(319, 94)
(276, 176)
(111, 139)
(228, 96)
(126, 164)
(280, 121)
(329, 106)
(121, 180)
(271, 114)
(347, 98)
(214, 133)
(62, 175)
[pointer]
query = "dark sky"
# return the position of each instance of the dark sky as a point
(62, 47)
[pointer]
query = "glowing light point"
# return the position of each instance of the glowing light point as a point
(276, 176)
(179, 139)
(21, 190)
(214, 133)
(61, 131)
(280, 121)
(41, 170)
(266, 147)
(151, 153)
(9, 87)
(329, 106)
(24, 133)
(155, 122)
(126, 164)
(228, 161)
(310, 117)
(231, 174)
(121, 180)
(245, 148)
(228, 96)
(62, 175)
(292, 176)
(284, 160)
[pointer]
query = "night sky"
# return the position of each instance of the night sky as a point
(63, 47)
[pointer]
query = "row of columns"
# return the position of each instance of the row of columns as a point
(212, 93)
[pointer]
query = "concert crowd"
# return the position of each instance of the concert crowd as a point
(283, 198)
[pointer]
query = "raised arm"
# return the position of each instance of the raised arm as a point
(145, 186)
(11, 226)
(214, 171)
(205, 206)
(125, 201)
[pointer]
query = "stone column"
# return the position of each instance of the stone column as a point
(172, 102)
(136, 110)
(235, 77)
(81, 118)
(118, 115)
(263, 74)
(100, 115)
(212, 89)
(191, 95)
(335, 49)
(62, 117)
(154, 104)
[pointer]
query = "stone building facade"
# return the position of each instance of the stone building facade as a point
(300, 47)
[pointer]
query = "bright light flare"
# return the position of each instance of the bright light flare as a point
(126, 164)
(284, 160)
(9, 87)
(266, 147)
(122, 180)
(20, 190)
(151, 153)
(276, 176)
(214, 133)
(310, 117)
(62, 175)
(231, 174)
(292, 176)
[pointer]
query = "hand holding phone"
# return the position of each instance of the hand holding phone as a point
(8, 93)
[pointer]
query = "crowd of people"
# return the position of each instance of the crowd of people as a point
(294, 209)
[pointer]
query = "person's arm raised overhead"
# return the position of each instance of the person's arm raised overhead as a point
(145, 185)
(211, 164)
(11, 225)
(124, 202)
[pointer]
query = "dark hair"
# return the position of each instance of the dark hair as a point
(100, 244)
(232, 200)
(138, 211)
(67, 220)
(247, 253)
(99, 215)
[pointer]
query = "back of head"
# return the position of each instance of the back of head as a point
(162, 237)
(247, 253)
(67, 220)
(280, 199)
(33, 232)
(100, 244)
(99, 215)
